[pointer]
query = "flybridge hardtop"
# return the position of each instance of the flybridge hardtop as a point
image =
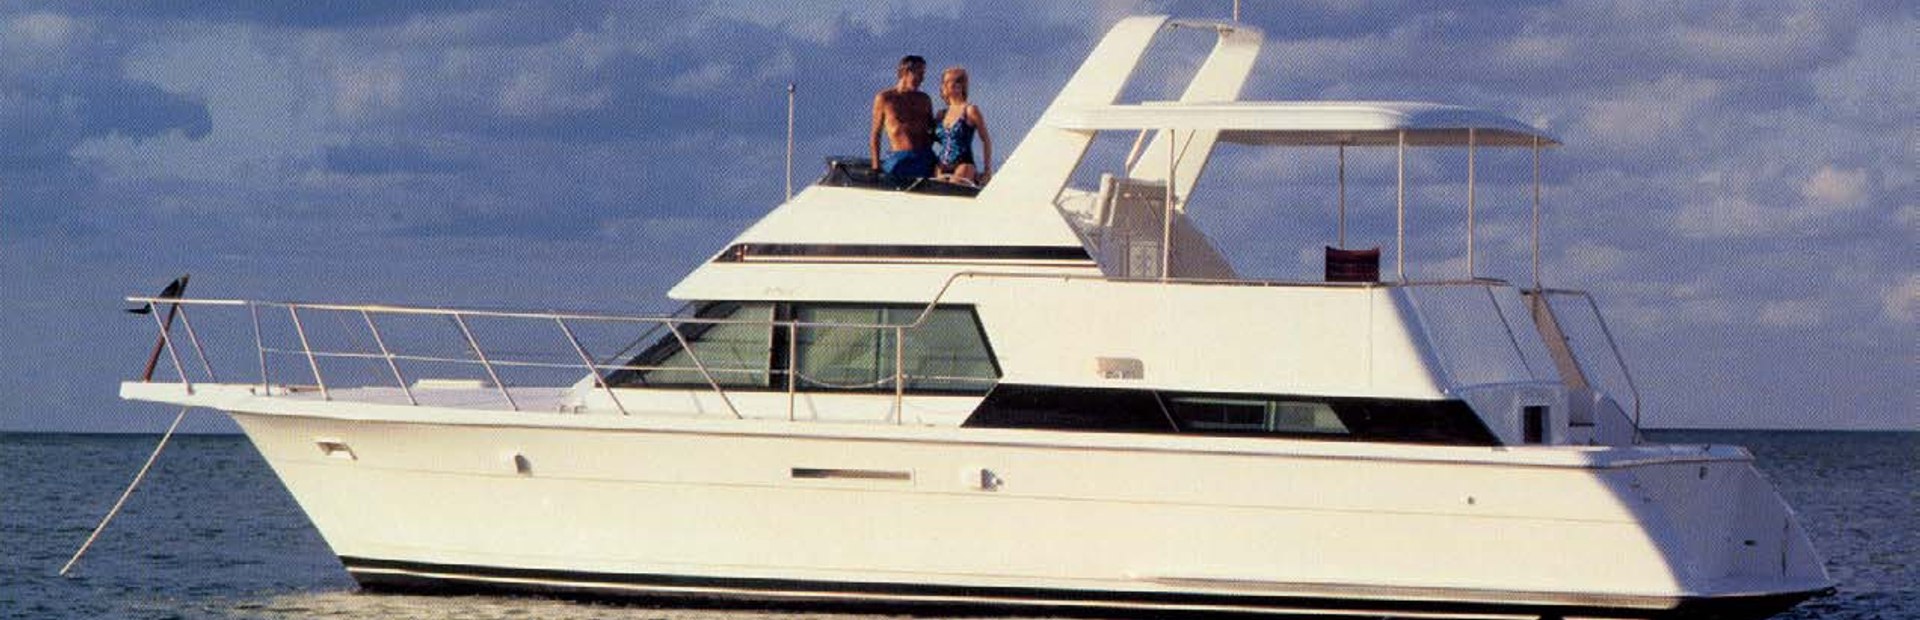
(1312, 123)
(869, 369)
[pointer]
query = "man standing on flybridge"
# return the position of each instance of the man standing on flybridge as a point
(906, 115)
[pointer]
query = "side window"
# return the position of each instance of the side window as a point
(843, 358)
(736, 354)
(1211, 414)
(840, 350)
(946, 353)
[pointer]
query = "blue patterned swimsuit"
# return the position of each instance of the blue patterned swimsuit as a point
(956, 142)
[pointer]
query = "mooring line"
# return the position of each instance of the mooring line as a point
(128, 493)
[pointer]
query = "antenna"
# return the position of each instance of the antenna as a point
(789, 140)
(1236, 10)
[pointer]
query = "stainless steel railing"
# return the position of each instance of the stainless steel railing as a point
(1597, 321)
(675, 325)
(490, 364)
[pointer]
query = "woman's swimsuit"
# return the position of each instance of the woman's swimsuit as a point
(956, 142)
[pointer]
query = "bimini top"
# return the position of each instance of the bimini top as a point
(1311, 123)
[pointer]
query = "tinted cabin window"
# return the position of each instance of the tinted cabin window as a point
(1071, 409)
(1214, 414)
(1303, 417)
(736, 354)
(945, 353)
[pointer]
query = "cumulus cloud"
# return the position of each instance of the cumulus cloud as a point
(1648, 113)
(1900, 304)
(1830, 189)
(1792, 313)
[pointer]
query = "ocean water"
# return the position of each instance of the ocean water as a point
(211, 534)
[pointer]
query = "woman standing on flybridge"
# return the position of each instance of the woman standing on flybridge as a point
(958, 122)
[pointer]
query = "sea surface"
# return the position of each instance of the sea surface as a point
(211, 534)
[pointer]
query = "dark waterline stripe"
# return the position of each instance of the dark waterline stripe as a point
(428, 577)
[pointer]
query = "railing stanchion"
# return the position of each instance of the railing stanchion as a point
(259, 348)
(194, 339)
(312, 362)
(899, 375)
(484, 363)
(166, 341)
(702, 367)
(793, 367)
(599, 381)
(385, 353)
(1619, 361)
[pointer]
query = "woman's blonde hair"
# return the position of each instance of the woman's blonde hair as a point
(961, 72)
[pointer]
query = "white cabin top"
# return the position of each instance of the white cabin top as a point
(874, 244)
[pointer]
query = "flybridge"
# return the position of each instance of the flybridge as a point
(1135, 224)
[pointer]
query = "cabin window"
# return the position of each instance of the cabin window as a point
(1448, 422)
(1071, 409)
(735, 354)
(945, 353)
(1207, 414)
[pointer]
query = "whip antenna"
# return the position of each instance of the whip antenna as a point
(789, 140)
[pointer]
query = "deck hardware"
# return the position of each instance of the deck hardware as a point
(817, 473)
(521, 465)
(1120, 367)
(990, 481)
(334, 448)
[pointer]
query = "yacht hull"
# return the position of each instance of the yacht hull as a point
(913, 516)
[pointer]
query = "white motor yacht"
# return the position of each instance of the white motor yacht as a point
(1030, 397)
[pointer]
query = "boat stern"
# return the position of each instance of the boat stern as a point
(1729, 538)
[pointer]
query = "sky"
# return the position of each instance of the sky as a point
(1736, 185)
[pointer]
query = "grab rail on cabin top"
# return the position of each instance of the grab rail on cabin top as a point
(673, 323)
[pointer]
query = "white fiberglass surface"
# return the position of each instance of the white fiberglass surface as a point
(1478, 339)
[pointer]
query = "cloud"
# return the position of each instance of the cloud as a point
(1830, 189)
(1646, 114)
(1792, 313)
(1900, 304)
(373, 159)
(42, 30)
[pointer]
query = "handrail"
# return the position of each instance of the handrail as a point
(1613, 345)
(673, 323)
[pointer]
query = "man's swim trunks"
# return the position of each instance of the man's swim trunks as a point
(908, 165)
